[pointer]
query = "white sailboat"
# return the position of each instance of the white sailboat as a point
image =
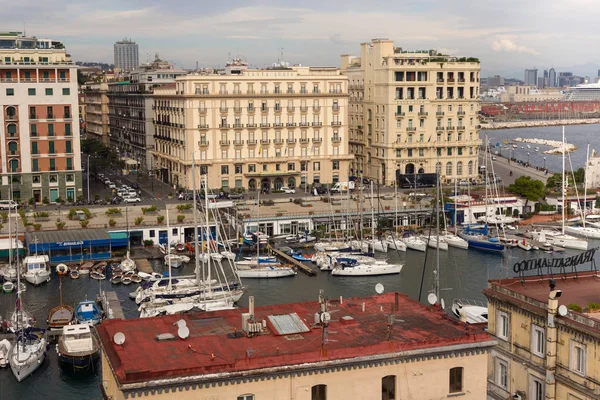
(414, 243)
(433, 242)
(366, 269)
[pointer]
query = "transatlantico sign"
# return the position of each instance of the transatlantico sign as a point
(565, 262)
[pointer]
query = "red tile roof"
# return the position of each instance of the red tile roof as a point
(211, 347)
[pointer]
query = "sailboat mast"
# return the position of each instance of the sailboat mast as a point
(196, 253)
(168, 246)
(258, 227)
(396, 213)
(208, 233)
(564, 182)
(587, 160)
(437, 248)
(372, 214)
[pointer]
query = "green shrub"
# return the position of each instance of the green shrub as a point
(87, 212)
(298, 201)
(575, 307)
(45, 201)
(180, 218)
(71, 213)
(59, 200)
(41, 214)
(184, 207)
(268, 203)
(4, 216)
(113, 211)
(31, 201)
(148, 242)
(160, 219)
(138, 221)
(112, 222)
(37, 227)
(593, 306)
(60, 225)
(84, 223)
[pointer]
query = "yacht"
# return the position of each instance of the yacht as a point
(414, 243)
(264, 271)
(556, 238)
(37, 269)
(433, 242)
(473, 312)
(367, 269)
(455, 241)
(395, 243)
(28, 353)
(77, 347)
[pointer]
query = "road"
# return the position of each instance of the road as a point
(503, 167)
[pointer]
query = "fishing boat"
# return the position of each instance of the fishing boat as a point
(37, 269)
(478, 238)
(301, 257)
(87, 312)
(5, 347)
(8, 287)
(62, 269)
(369, 269)
(60, 315)
(28, 353)
(77, 347)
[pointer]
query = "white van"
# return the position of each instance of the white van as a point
(8, 205)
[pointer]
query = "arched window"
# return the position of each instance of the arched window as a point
(319, 392)
(13, 165)
(246, 397)
(456, 380)
(278, 184)
(438, 167)
(459, 168)
(388, 387)
(292, 183)
(11, 129)
(409, 169)
(252, 184)
(448, 168)
(11, 112)
(470, 167)
(13, 147)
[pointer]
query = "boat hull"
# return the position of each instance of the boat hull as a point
(368, 270)
(455, 241)
(417, 245)
(269, 272)
(587, 232)
(38, 277)
(83, 361)
(396, 244)
(22, 368)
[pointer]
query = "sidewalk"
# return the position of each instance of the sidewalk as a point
(520, 169)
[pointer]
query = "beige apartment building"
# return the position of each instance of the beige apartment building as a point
(412, 111)
(96, 118)
(250, 129)
(548, 337)
(386, 347)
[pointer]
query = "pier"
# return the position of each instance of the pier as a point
(307, 270)
(143, 265)
(115, 311)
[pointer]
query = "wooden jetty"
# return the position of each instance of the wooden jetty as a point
(302, 267)
(115, 310)
(143, 265)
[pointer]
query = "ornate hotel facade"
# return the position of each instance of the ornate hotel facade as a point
(410, 112)
(252, 129)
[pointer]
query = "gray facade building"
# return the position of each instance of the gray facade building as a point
(495, 81)
(552, 77)
(530, 77)
(126, 55)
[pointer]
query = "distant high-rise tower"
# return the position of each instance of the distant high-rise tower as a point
(531, 76)
(552, 77)
(126, 55)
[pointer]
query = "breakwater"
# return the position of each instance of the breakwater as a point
(534, 124)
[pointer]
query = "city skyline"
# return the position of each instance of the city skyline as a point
(316, 33)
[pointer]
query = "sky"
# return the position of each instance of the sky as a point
(507, 36)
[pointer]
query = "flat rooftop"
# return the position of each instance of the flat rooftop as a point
(214, 351)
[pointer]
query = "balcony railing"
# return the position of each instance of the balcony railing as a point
(251, 125)
(317, 109)
(238, 126)
(291, 109)
(411, 129)
(11, 117)
(450, 80)
(460, 113)
(304, 124)
(237, 109)
(278, 125)
(67, 116)
(440, 128)
(224, 126)
(336, 123)
(265, 141)
(423, 114)
(303, 109)
(290, 124)
(202, 110)
(336, 139)
(203, 143)
(238, 142)
(224, 142)
(264, 125)
(278, 141)
(277, 109)
(304, 140)
(33, 116)
(50, 116)
(223, 109)
(317, 140)
(251, 109)
(251, 142)
(291, 141)
(264, 109)
(202, 126)
(317, 124)
(398, 115)
(439, 113)
(335, 108)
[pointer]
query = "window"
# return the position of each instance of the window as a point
(50, 129)
(14, 165)
(31, 91)
(251, 167)
(36, 179)
(538, 340)
(51, 147)
(34, 148)
(49, 92)
(388, 387)
(265, 167)
(501, 373)
(578, 357)
(35, 166)
(12, 130)
(10, 92)
(238, 169)
(224, 169)
(246, 397)
(69, 164)
(502, 325)
(291, 166)
(335, 165)
(53, 178)
(66, 91)
(536, 388)
(449, 169)
(70, 178)
(456, 380)
(152, 233)
(316, 166)
(52, 164)
(319, 392)
(459, 168)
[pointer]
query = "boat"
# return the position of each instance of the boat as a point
(97, 275)
(375, 268)
(87, 312)
(229, 255)
(135, 278)
(260, 271)
(9, 273)
(432, 242)
(8, 287)
(126, 279)
(37, 269)
(473, 312)
(377, 245)
(116, 279)
(593, 220)
(556, 238)
(77, 347)
(301, 257)
(176, 260)
(74, 274)
(455, 241)
(477, 238)
(86, 268)
(62, 269)
(180, 246)
(261, 259)
(149, 277)
(60, 315)
(169, 289)
(5, 347)
(127, 264)
(28, 353)
(414, 243)
(300, 239)
(332, 246)
(523, 244)
(395, 243)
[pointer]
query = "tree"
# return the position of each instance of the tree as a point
(531, 189)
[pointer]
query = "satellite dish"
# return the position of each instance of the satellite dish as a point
(443, 304)
(432, 298)
(379, 288)
(183, 332)
(325, 317)
(563, 310)
(119, 338)
(180, 323)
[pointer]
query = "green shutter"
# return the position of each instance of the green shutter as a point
(66, 91)
(35, 166)
(51, 147)
(34, 148)
(31, 91)
(52, 164)
(69, 164)
(50, 129)
(33, 128)
(68, 147)
(67, 129)
(49, 91)
(10, 92)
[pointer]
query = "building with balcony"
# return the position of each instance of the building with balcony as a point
(383, 347)
(543, 351)
(126, 55)
(39, 122)
(265, 128)
(96, 119)
(412, 112)
(131, 130)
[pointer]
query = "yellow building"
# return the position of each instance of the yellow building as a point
(266, 128)
(545, 352)
(411, 111)
(384, 347)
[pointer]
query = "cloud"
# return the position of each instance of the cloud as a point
(504, 44)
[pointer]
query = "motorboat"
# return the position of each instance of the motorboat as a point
(37, 269)
(77, 347)
(593, 220)
(97, 275)
(261, 259)
(301, 257)
(525, 245)
(5, 347)
(262, 271)
(176, 260)
(149, 277)
(395, 243)
(28, 353)
(8, 287)
(414, 243)
(87, 312)
(432, 242)
(495, 219)
(9, 273)
(473, 312)
(62, 269)
(357, 269)
(115, 279)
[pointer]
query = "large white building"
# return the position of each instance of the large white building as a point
(264, 128)
(410, 111)
(126, 55)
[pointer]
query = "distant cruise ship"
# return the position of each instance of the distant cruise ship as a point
(588, 92)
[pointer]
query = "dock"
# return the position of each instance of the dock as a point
(115, 311)
(143, 265)
(307, 270)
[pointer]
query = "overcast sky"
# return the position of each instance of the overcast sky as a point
(506, 36)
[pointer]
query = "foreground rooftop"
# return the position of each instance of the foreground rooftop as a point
(216, 349)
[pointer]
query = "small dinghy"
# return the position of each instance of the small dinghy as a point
(116, 279)
(8, 287)
(97, 275)
(62, 269)
(5, 347)
(100, 267)
(126, 280)
(135, 278)
(74, 274)
(180, 246)
(301, 257)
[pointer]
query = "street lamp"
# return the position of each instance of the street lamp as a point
(527, 158)
(544, 162)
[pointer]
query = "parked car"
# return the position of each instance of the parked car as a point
(8, 205)
(463, 182)
(320, 190)
(131, 199)
(287, 190)
(107, 181)
(235, 196)
(132, 193)
(210, 196)
(111, 185)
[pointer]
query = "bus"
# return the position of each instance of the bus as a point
(422, 180)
